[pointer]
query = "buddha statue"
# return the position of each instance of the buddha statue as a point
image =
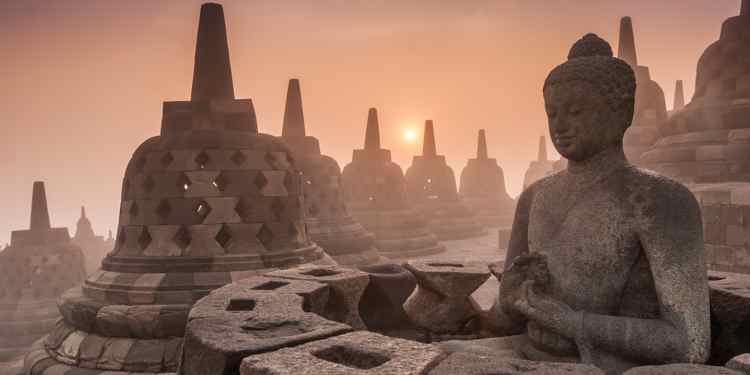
(605, 263)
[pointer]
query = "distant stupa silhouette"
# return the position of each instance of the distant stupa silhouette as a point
(328, 221)
(540, 167)
(208, 202)
(483, 188)
(374, 188)
(37, 267)
(431, 185)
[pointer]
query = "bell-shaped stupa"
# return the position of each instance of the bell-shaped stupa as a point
(374, 188)
(94, 247)
(39, 265)
(706, 145)
(208, 202)
(483, 188)
(650, 106)
(329, 223)
(431, 186)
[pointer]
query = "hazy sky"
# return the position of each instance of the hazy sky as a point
(82, 81)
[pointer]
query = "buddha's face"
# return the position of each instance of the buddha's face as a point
(581, 123)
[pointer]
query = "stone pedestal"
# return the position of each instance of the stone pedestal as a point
(442, 302)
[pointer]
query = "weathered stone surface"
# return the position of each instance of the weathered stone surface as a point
(227, 326)
(681, 369)
(740, 363)
(381, 306)
(442, 302)
(606, 261)
(477, 364)
(353, 353)
(347, 287)
(730, 315)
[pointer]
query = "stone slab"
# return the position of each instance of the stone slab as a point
(681, 369)
(477, 364)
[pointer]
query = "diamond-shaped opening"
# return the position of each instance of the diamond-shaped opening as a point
(144, 239)
(148, 184)
(265, 236)
(320, 272)
(202, 160)
(134, 209)
(260, 181)
(182, 238)
(140, 163)
(163, 209)
(224, 236)
(202, 209)
(221, 182)
(241, 304)
(167, 159)
(183, 183)
(353, 357)
(238, 158)
(243, 209)
(271, 285)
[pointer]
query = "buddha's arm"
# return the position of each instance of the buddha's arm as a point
(672, 239)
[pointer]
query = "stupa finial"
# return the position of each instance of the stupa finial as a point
(294, 118)
(428, 145)
(372, 133)
(39, 212)
(482, 146)
(212, 74)
(626, 48)
(679, 96)
(542, 154)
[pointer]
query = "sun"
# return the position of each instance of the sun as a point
(410, 135)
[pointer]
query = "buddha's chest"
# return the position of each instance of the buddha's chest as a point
(589, 238)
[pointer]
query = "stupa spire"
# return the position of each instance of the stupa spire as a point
(428, 145)
(294, 118)
(39, 212)
(482, 146)
(542, 154)
(212, 74)
(626, 48)
(83, 212)
(679, 96)
(372, 134)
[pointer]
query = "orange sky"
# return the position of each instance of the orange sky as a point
(83, 80)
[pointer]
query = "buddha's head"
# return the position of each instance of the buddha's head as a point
(589, 100)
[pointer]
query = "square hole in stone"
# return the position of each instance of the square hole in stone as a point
(241, 304)
(456, 265)
(271, 285)
(352, 357)
(320, 272)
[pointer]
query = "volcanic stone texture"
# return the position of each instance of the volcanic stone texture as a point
(357, 353)
(726, 213)
(431, 186)
(381, 305)
(35, 269)
(681, 369)
(483, 188)
(730, 315)
(329, 223)
(207, 202)
(475, 364)
(374, 189)
(442, 302)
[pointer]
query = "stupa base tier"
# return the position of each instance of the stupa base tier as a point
(340, 238)
(363, 258)
(457, 230)
(400, 233)
(85, 354)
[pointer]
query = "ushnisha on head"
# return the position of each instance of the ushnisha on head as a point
(589, 100)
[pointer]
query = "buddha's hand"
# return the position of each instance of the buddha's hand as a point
(524, 268)
(549, 312)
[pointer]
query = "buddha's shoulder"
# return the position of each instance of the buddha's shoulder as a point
(655, 186)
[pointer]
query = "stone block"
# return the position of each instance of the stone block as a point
(681, 369)
(730, 315)
(442, 302)
(234, 323)
(347, 287)
(382, 303)
(356, 353)
(478, 364)
(740, 363)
